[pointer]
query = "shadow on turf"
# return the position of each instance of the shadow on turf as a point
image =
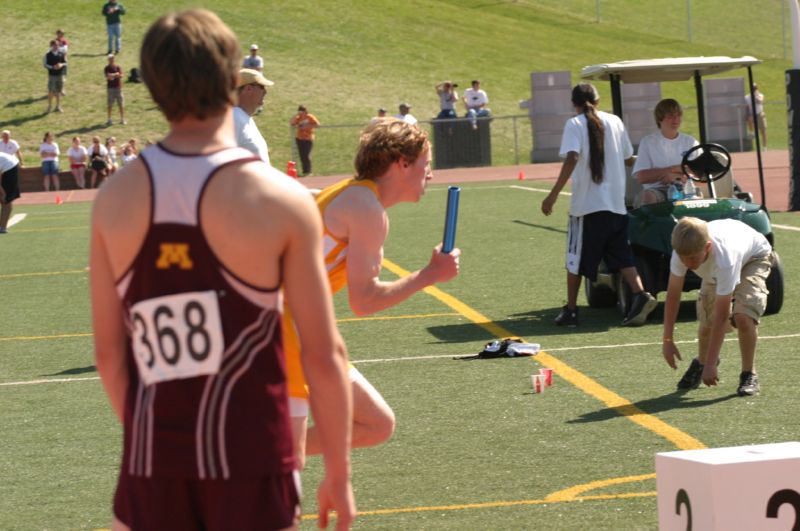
(76, 370)
(535, 324)
(667, 402)
(26, 101)
(537, 226)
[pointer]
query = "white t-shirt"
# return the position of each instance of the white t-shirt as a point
(102, 151)
(11, 147)
(408, 118)
(248, 136)
(609, 195)
(50, 147)
(7, 162)
(127, 159)
(658, 151)
(759, 103)
(79, 153)
(475, 98)
(733, 244)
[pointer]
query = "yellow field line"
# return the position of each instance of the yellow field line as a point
(53, 229)
(573, 493)
(392, 317)
(44, 273)
(494, 505)
(681, 440)
(348, 320)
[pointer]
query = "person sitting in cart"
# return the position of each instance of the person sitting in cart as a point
(658, 163)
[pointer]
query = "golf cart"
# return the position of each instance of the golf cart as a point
(650, 226)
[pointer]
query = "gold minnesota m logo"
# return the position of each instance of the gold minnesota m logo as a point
(174, 254)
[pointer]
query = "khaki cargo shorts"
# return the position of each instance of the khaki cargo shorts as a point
(749, 296)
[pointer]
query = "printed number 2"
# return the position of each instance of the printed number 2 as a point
(785, 496)
(169, 344)
(682, 498)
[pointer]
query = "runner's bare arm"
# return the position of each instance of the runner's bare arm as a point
(366, 231)
(324, 358)
(109, 329)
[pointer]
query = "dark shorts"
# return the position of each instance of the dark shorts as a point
(186, 504)
(605, 237)
(10, 183)
(99, 164)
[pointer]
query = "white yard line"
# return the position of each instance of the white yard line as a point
(436, 356)
(540, 190)
(786, 227)
(16, 218)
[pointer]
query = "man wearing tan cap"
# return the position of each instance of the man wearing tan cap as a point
(252, 89)
(253, 61)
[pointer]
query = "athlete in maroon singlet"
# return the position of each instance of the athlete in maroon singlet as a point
(192, 245)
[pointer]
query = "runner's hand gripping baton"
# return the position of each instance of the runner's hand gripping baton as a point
(450, 219)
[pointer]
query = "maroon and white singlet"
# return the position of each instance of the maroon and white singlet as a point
(207, 388)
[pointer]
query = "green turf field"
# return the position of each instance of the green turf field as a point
(474, 449)
(343, 59)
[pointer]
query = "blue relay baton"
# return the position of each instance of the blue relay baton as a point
(450, 219)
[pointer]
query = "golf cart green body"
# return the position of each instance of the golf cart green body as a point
(650, 226)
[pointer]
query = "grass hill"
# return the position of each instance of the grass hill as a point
(344, 59)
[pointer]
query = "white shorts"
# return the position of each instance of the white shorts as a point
(298, 407)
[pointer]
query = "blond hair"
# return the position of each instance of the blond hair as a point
(190, 64)
(690, 236)
(386, 141)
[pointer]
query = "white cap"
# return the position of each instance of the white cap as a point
(254, 46)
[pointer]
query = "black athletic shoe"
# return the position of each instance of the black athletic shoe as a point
(567, 317)
(748, 384)
(693, 376)
(642, 304)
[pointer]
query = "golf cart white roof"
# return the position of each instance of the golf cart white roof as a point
(668, 69)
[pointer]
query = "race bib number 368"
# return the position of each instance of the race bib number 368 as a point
(177, 336)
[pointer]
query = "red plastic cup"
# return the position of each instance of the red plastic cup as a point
(538, 383)
(548, 376)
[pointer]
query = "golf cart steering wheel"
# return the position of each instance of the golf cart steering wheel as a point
(706, 163)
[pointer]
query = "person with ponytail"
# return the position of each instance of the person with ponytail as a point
(596, 148)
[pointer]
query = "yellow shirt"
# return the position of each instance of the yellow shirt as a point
(335, 252)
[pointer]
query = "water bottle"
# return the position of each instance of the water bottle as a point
(689, 189)
(674, 193)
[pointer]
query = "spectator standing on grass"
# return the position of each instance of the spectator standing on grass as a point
(77, 161)
(658, 164)
(596, 148)
(63, 47)
(760, 115)
(9, 187)
(98, 162)
(379, 116)
(253, 61)
(304, 125)
(10, 146)
(405, 114)
(448, 97)
(212, 263)
(475, 101)
(49, 152)
(113, 73)
(113, 12)
(250, 94)
(55, 63)
(733, 260)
